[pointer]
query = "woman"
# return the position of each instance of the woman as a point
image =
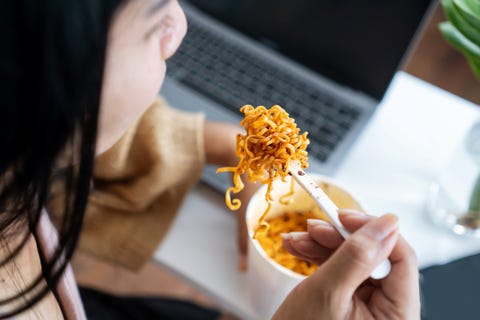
(67, 66)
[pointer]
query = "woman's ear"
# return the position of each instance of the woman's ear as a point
(168, 42)
(172, 33)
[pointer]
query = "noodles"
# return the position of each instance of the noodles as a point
(271, 240)
(271, 141)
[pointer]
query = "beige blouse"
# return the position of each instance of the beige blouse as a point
(139, 185)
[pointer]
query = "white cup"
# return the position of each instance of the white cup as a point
(268, 282)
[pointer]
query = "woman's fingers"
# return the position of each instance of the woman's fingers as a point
(288, 245)
(347, 264)
(400, 286)
(358, 256)
(402, 257)
(404, 274)
(321, 238)
(353, 220)
(326, 235)
(301, 245)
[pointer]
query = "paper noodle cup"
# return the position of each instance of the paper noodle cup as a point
(268, 282)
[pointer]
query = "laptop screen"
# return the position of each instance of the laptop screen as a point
(358, 44)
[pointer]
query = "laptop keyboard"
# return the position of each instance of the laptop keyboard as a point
(231, 76)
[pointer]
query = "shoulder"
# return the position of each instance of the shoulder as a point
(20, 271)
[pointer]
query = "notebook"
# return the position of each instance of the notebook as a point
(328, 63)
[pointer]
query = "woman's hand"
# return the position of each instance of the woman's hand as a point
(341, 287)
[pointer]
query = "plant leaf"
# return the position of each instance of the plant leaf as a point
(474, 65)
(470, 10)
(458, 40)
(460, 22)
(473, 6)
(474, 204)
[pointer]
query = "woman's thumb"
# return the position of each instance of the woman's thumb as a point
(358, 256)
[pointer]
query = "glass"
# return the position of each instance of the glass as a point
(454, 199)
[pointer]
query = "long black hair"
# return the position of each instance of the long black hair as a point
(52, 55)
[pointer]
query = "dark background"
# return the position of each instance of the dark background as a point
(358, 43)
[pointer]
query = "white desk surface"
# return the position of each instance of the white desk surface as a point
(407, 144)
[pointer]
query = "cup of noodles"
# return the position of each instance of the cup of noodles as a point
(272, 272)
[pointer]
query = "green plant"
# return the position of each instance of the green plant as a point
(462, 31)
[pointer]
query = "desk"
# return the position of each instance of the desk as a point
(408, 142)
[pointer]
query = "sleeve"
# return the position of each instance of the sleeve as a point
(140, 183)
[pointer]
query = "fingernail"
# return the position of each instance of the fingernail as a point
(286, 236)
(350, 212)
(382, 227)
(318, 222)
(299, 236)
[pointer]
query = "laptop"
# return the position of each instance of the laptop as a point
(328, 63)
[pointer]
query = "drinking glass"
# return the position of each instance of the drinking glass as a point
(454, 198)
